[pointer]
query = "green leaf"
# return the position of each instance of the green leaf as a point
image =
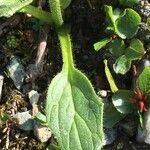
(110, 79)
(112, 116)
(10, 7)
(143, 81)
(74, 112)
(40, 117)
(127, 24)
(116, 47)
(102, 43)
(135, 50)
(123, 102)
(122, 65)
(129, 3)
(110, 16)
(148, 23)
(37, 13)
(64, 3)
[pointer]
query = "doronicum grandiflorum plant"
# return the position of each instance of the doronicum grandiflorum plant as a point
(74, 113)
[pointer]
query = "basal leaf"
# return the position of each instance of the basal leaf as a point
(101, 44)
(127, 24)
(10, 7)
(116, 47)
(122, 65)
(74, 112)
(128, 2)
(135, 50)
(143, 81)
(123, 102)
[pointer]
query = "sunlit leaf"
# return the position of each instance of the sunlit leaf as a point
(101, 44)
(135, 50)
(122, 65)
(127, 24)
(10, 7)
(143, 81)
(123, 101)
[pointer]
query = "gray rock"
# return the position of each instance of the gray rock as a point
(33, 97)
(1, 85)
(42, 133)
(16, 72)
(110, 134)
(147, 127)
(143, 135)
(140, 135)
(25, 120)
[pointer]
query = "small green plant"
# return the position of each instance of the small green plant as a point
(12, 41)
(74, 112)
(128, 101)
(123, 26)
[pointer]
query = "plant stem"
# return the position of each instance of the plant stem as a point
(37, 13)
(65, 43)
(56, 13)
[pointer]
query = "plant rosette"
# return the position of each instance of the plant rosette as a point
(124, 25)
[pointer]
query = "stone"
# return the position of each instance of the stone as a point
(102, 93)
(33, 97)
(25, 120)
(140, 135)
(110, 134)
(16, 72)
(42, 133)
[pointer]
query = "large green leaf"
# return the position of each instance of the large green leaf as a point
(122, 65)
(74, 112)
(10, 7)
(135, 50)
(101, 44)
(143, 81)
(123, 101)
(116, 47)
(127, 24)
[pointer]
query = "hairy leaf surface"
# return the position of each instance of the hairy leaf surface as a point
(74, 112)
(10, 7)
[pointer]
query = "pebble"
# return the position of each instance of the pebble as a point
(25, 120)
(42, 133)
(1, 85)
(16, 72)
(110, 134)
(102, 93)
(33, 97)
(140, 135)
